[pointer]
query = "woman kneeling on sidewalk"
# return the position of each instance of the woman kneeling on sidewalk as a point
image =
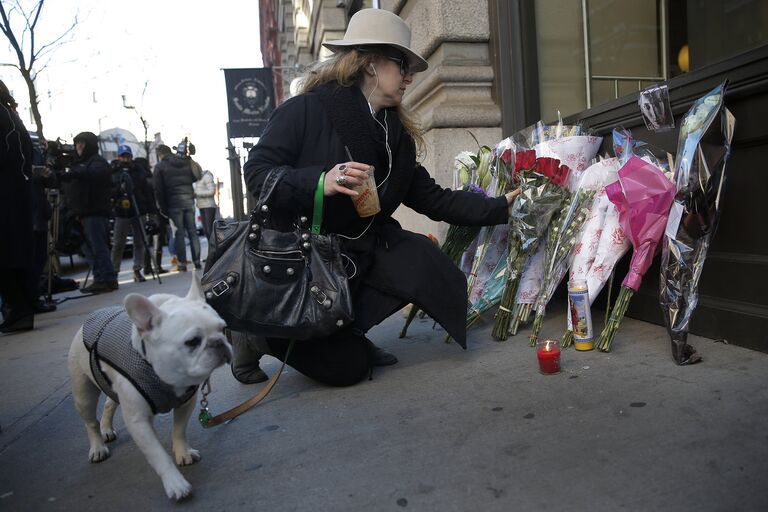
(347, 121)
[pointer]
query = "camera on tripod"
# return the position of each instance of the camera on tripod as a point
(123, 199)
(59, 156)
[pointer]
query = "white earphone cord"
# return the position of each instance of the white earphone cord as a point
(385, 127)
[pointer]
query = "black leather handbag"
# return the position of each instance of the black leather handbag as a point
(282, 284)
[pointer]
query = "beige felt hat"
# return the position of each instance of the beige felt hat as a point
(370, 27)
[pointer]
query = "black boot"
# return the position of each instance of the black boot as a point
(17, 322)
(245, 363)
(380, 357)
(137, 277)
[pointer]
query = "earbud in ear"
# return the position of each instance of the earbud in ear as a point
(373, 69)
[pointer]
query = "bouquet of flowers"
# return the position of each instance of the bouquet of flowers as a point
(561, 239)
(577, 152)
(642, 195)
(487, 278)
(703, 148)
(601, 243)
(542, 182)
(471, 173)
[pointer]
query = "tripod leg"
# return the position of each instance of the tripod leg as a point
(143, 234)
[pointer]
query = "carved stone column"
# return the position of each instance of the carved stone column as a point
(454, 96)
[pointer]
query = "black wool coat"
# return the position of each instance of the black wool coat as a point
(173, 179)
(310, 134)
(16, 194)
(87, 187)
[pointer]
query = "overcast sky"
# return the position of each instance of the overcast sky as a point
(176, 47)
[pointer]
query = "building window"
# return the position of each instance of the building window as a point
(626, 45)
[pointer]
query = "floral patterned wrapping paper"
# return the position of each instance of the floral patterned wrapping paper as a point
(576, 152)
(490, 251)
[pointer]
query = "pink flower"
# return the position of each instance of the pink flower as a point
(618, 236)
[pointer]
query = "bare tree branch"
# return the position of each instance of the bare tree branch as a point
(30, 66)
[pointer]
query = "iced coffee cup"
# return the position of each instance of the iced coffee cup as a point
(367, 200)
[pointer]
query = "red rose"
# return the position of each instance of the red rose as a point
(506, 156)
(525, 159)
(548, 167)
(564, 171)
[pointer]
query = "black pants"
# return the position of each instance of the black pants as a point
(342, 359)
(16, 292)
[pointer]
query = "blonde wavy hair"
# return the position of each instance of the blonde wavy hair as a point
(346, 67)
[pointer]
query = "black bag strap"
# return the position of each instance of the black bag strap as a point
(268, 188)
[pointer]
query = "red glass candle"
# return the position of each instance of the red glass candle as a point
(548, 353)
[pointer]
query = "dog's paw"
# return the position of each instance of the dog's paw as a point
(187, 457)
(108, 435)
(176, 487)
(98, 454)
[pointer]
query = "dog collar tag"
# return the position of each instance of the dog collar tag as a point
(204, 417)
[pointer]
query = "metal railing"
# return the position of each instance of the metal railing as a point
(589, 77)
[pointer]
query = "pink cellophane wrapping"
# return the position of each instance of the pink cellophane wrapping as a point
(643, 196)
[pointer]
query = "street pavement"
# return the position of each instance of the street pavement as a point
(443, 430)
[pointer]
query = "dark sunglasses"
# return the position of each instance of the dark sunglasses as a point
(405, 68)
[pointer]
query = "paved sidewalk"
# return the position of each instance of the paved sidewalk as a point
(443, 430)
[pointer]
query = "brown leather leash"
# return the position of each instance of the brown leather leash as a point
(208, 421)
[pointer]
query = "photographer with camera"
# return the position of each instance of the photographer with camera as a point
(130, 183)
(173, 177)
(87, 188)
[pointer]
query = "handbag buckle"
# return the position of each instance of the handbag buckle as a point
(220, 288)
(318, 294)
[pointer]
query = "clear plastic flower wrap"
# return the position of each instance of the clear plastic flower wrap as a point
(561, 239)
(704, 146)
(542, 182)
(578, 153)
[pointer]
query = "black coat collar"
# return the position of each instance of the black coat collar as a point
(357, 129)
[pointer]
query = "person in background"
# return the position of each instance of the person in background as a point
(205, 191)
(349, 123)
(16, 218)
(174, 176)
(164, 236)
(43, 177)
(152, 222)
(87, 188)
(130, 183)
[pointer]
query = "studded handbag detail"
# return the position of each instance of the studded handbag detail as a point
(282, 284)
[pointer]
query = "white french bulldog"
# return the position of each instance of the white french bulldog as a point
(182, 340)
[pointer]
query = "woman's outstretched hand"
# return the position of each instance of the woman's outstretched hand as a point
(342, 177)
(512, 195)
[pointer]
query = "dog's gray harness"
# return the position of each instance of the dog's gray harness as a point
(107, 336)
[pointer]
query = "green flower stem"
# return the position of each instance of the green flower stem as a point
(619, 309)
(472, 318)
(608, 302)
(525, 317)
(567, 339)
(411, 315)
(515, 323)
(538, 322)
(500, 330)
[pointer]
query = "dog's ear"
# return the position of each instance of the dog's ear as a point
(142, 312)
(195, 292)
